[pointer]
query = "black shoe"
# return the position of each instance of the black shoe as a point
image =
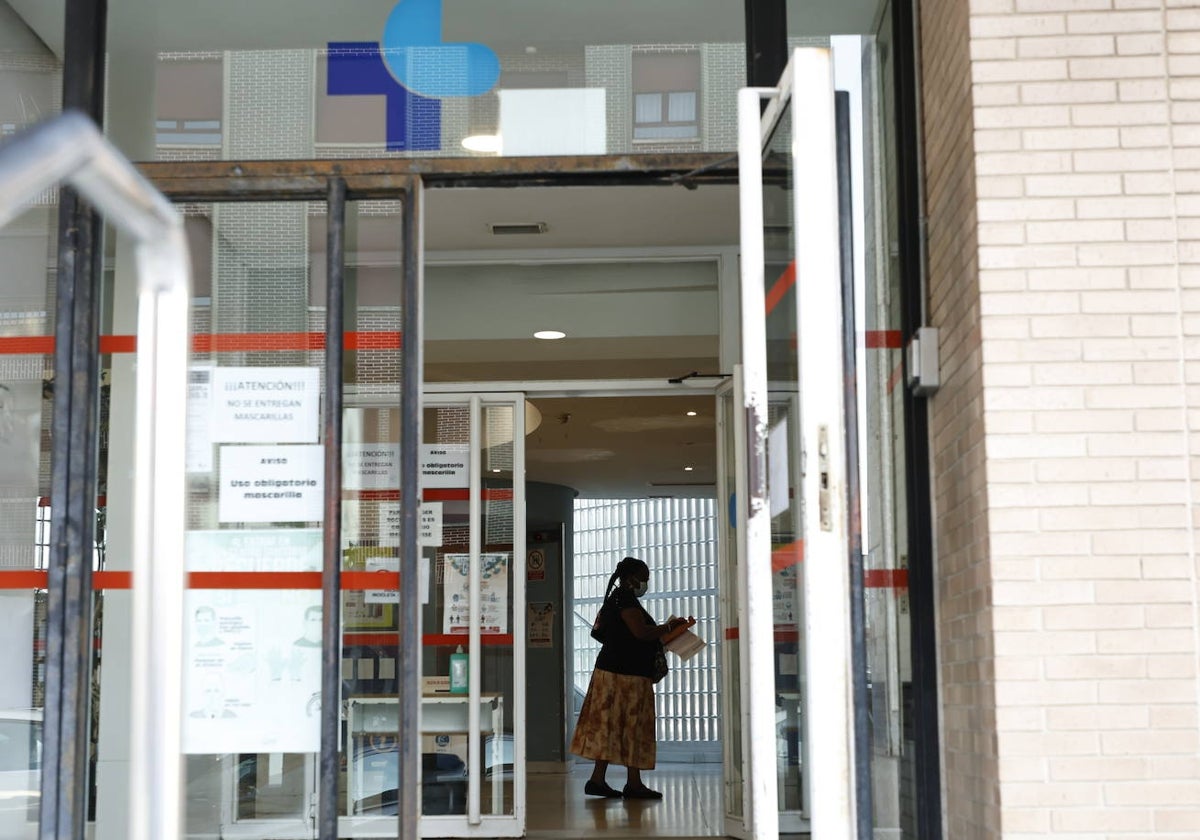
(594, 788)
(640, 792)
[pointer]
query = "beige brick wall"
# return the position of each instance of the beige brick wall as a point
(964, 594)
(1086, 158)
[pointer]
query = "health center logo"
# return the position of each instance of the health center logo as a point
(414, 70)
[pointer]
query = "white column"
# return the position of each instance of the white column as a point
(130, 118)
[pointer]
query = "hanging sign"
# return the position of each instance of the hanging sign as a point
(272, 484)
(265, 404)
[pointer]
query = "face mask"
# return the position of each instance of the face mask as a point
(640, 587)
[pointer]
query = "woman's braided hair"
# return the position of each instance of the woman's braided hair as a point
(626, 568)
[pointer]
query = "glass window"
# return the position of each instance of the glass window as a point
(666, 89)
(188, 101)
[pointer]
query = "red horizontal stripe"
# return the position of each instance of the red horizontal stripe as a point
(23, 579)
(373, 495)
(883, 340)
(786, 556)
(392, 639)
(781, 636)
(26, 345)
(216, 342)
(462, 494)
(886, 579)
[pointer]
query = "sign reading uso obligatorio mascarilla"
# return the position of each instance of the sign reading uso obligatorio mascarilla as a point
(272, 484)
(265, 404)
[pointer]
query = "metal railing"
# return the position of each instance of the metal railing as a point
(70, 149)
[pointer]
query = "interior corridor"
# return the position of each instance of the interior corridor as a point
(690, 807)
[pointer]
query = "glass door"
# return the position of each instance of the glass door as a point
(472, 608)
(789, 751)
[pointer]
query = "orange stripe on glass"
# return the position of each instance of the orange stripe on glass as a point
(216, 342)
(781, 287)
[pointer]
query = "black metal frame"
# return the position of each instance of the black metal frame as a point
(921, 582)
(74, 458)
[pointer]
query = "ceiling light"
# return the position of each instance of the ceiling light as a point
(495, 469)
(487, 143)
(688, 469)
(549, 335)
(691, 414)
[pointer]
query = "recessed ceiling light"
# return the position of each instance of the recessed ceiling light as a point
(549, 335)
(691, 414)
(487, 143)
(495, 469)
(688, 469)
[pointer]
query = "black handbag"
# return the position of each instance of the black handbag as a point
(660, 663)
(600, 625)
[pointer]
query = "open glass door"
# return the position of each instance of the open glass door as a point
(789, 751)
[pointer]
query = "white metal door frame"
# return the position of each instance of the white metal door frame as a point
(807, 85)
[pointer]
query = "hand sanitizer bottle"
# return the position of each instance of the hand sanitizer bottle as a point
(458, 672)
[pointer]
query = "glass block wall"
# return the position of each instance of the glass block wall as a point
(677, 539)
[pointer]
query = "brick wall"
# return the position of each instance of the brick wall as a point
(1085, 116)
(968, 670)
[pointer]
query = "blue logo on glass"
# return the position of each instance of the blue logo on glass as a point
(414, 70)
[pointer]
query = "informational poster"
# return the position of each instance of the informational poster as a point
(784, 598)
(540, 621)
(493, 593)
(272, 484)
(253, 657)
(445, 464)
(371, 466)
(266, 404)
(199, 453)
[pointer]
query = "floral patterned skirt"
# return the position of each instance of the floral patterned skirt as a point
(616, 723)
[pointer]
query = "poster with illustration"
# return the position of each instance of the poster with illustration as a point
(252, 668)
(493, 593)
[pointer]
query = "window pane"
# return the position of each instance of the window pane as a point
(649, 108)
(681, 107)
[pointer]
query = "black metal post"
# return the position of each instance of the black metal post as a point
(766, 42)
(858, 623)
(921, 584)
(408, 801)
(65, 783)
(331, 578)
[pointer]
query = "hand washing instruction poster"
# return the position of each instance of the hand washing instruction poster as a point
(252, 667)
(493, 593)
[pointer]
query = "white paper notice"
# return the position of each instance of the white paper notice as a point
(493, 593)
(252, 676)
(445, 464)
(371, 466)
(392, 564)
(266, 404)
(272, 484)
(540, 620)
(777, 467)
(199, 456)
(430, 524)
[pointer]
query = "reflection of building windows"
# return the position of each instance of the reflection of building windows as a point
(26, 97)
(188, 103)
(666, 95)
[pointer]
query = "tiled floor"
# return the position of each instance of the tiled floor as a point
(690, 807)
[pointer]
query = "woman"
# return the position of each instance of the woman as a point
(616, 723)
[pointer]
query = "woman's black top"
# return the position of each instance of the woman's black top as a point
(624, 653)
